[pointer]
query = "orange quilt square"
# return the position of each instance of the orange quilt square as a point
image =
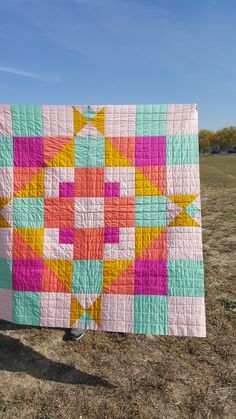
(58, 212)
(89, 182)
(88, 243)
(119, 212)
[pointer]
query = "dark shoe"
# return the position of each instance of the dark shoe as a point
(73, 334)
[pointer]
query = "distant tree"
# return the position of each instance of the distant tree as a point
(206, 139)
(224, 138)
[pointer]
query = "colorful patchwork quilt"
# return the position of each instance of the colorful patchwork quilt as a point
(100, 218)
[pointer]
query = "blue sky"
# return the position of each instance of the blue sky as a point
(121, 51)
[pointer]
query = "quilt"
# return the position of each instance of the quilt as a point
(100, 218)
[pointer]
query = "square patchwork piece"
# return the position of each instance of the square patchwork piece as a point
(100, 218)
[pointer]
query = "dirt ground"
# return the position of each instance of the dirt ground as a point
(137, 376)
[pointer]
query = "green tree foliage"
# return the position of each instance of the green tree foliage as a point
(206, 139)
(223, 138)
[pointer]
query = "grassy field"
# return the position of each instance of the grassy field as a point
(115, 376)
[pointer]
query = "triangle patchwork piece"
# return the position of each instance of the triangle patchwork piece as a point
(89, 131)
(63, 269)
(113, 158)
(21, 249)
(144, 187)
(156, 250)
(85, 320)
(51, 282)
(95, 310)
(4, 201)
(89, 113)
(124, 283)
(3, 222)
(22, 177)
(86, 299)
(33, 187)
(33, 238)
(182, 200)
(58, 151)
(183, 220)
(76, 310)
(6, 212)
(156, 175)
(79, 121)
(98, 121)
(112, 269)
(172, 210)
(144, 236)
(192, 210)
(125, 146)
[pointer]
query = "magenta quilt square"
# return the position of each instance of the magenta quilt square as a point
(112, 189)
(28, 151)
(66, 189)
(111, 235)
(66, 236)
(150, 277)
(27, 274)
(150, 151)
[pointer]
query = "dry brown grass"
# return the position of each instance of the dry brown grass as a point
(115, 376)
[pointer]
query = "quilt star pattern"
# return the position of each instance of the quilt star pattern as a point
(100, 218)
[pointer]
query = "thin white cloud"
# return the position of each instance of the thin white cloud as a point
(29, 75)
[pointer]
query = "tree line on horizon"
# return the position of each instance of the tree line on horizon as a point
(222, 139)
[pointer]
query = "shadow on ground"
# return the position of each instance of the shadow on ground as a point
(17, 357)
(4, 325)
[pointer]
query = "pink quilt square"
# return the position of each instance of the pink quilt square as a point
(5, 121)
(55, 309)
(186, 316)
(118, 313)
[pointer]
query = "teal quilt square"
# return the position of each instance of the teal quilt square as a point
(87, 276)
(185, 278)
(28, 212)
(6, 273)
(151, 314)
(89, 113)
(150, 120)
(27, 120)
(192, 210)
(6, 151)
(150, 211)
(89, 152)
(182, 149)
(26, 308)
(85, 320)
